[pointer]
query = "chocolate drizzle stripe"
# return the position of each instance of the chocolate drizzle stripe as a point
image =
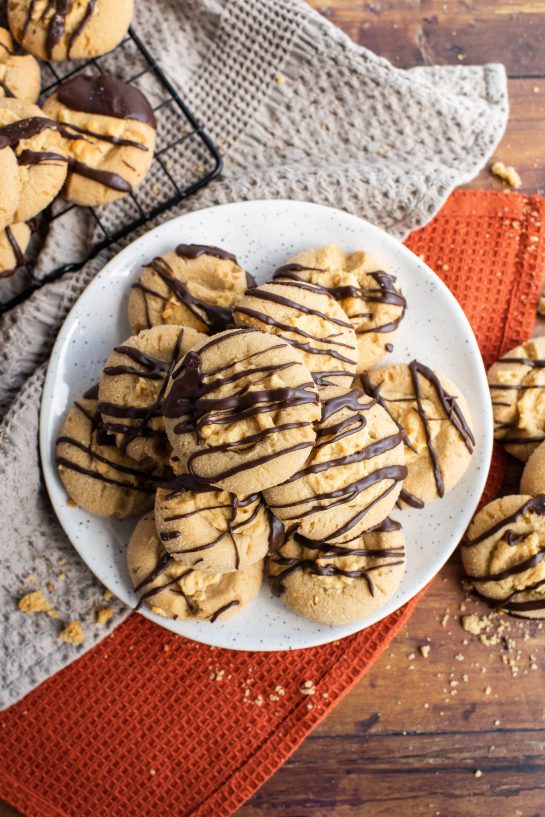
(275, 297)
(223, 609)
(105, 177)
(192, 251)
(88, 13)
(106, 96)
(535, 504)
(36, 157)
(66, 129)
(20, 259)
(521, 567)
(268, 320)
(72, 466)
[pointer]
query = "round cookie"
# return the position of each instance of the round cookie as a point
(10, 191)
(310, 319)
(533, 477)
(133, 383)
(436, 422)
(517, 388)
(19, 74)
(195, 285)
(240, 411)
(109, 131)
(69, 29)
(40, 155)
(171, 589)
(215, 530)
(339, 585)
(13, 243)
(504, 554)
(366, 292)
(352, 477)
(95, 474)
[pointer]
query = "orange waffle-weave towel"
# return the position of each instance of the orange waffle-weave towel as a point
(150, 723)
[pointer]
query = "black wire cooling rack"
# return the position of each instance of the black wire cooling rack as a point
(185, 159)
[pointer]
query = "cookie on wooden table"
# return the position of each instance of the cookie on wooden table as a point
(171, 589)
(13, 243)
(69, 29)
(109, 131)
(533, 477)
(351, 478)
(40, 153)
(96, 475)
(194, 285)
(504, 554)
(311, 320)
(517, 389)
(435, 418)
(336, 585)
(366, 291)
(215, 530)
(240, 411)
(133, 383)
(19, 73)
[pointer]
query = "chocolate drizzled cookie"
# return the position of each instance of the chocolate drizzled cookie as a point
(352, 477)
(240, 410)
(365, 290)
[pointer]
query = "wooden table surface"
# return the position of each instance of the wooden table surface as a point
(460, 733)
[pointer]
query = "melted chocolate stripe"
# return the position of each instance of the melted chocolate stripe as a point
(536, 504)
(106, 96)
(223, 609)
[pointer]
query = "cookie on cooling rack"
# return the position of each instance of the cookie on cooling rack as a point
(13, 243)
(194, 285)
(10, 191)
(133, 384)
(336, 585)
(40, 154)
(366, 291)
(503, 554)
(69, 29)
(312, 321)
(19, 74)
(517, 389)
(109, 130)
(171, 589)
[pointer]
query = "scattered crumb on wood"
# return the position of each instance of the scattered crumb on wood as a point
(506, 173)
(425, 650)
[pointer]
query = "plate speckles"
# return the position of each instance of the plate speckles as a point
(86, 340)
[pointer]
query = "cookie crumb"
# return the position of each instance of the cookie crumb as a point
(31, 578)
(424, 650)
(445, 620)
(279, 690)
(488, 690)
(50, 586)
(61, 577)
(507, 174)
(307, 688)
(71, 504)
(478, 773)
(103, 614)
(475, 625)
(72, 633)
(107, 594)
(541, 306)
(152, 772)
(35, 602)
(280, 79)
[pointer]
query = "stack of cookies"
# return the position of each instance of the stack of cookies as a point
(92, 139)
(504, 552)
(254, 430)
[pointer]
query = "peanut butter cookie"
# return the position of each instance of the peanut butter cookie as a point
(214, 530)
(69, 29)
(240, 411)
(40, 154)
(517, 388)
(310, 319)
(195, 285)
(171, 589)
(108, 129)
(336, 585)
(533, 477)
(133, 384)
(96, 475)
(19, 74)
(10, 191)
(366, 291)
(504, 554)
(436, 422)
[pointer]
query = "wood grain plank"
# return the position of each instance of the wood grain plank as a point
(409, 32)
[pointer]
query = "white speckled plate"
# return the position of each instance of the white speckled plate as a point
(263, 235)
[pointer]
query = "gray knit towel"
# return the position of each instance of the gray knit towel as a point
(300, 112)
